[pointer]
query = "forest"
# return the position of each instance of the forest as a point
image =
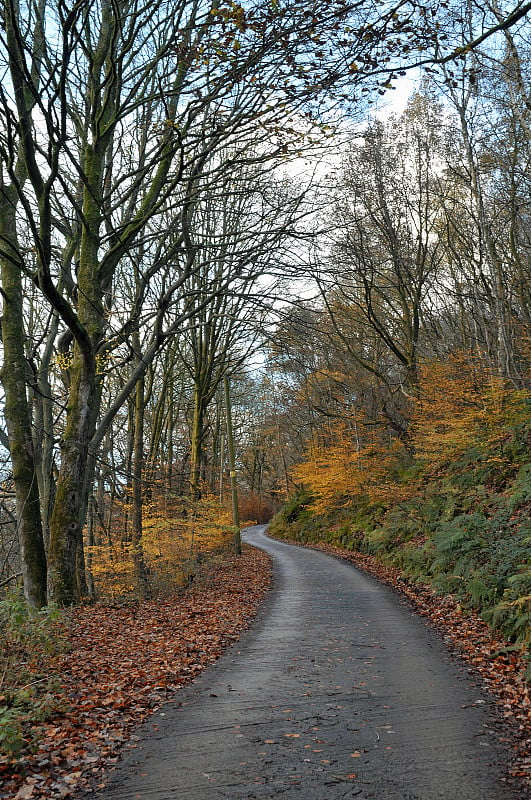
(240, 282)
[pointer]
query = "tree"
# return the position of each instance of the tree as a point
(240, 230)
(14, 372)
(385, 253)
(112, 118)
(487, 90)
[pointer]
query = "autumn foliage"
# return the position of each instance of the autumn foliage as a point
(448, 503)
(178, 535)
(357, 458)
(459, 405)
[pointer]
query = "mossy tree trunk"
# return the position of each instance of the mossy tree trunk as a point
(66, 579)
(15, 371)
(43, 431)
(18, 416)
(66, 573)
(197, 438)
(232, 464)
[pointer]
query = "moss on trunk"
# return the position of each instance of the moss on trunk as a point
(18, 418)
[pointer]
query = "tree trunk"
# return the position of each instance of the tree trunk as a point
(196, 443)
(18, 418)
(43, 434)
(66, 567)
(66, 575)
(232, 465)
(505, 352)
(141, 572)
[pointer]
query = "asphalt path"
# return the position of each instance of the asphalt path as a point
(337, 691)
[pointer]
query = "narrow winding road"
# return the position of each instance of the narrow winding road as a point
(337, 691)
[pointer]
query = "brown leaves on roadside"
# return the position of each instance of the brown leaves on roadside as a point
(124, 661)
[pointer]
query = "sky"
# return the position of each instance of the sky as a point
(395, 100)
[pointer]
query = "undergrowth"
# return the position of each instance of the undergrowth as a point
(28, 686)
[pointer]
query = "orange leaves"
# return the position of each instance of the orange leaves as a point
(332, 473)
(461, 405)
(176, 537)
(357, 459)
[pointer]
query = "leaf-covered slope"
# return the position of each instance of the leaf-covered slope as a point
(122, 662)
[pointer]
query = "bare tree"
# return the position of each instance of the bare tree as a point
(386, 254)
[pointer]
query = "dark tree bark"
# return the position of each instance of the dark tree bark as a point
(18, 417)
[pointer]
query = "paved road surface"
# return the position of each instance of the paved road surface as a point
(338, 691)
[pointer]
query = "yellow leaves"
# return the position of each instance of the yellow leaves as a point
(102, 362)
(460, 405)
(64, 360)
(356, 459)
(332, 473)
(175, 540)
(234, 14)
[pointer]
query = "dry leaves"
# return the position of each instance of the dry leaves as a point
(123, 663)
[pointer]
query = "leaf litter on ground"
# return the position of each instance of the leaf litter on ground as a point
(122, 663)
(125, 661)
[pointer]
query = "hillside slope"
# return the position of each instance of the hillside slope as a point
(463, 529)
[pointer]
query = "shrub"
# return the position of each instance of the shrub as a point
(27, 686)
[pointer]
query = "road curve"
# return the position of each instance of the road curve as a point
(338, 691)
